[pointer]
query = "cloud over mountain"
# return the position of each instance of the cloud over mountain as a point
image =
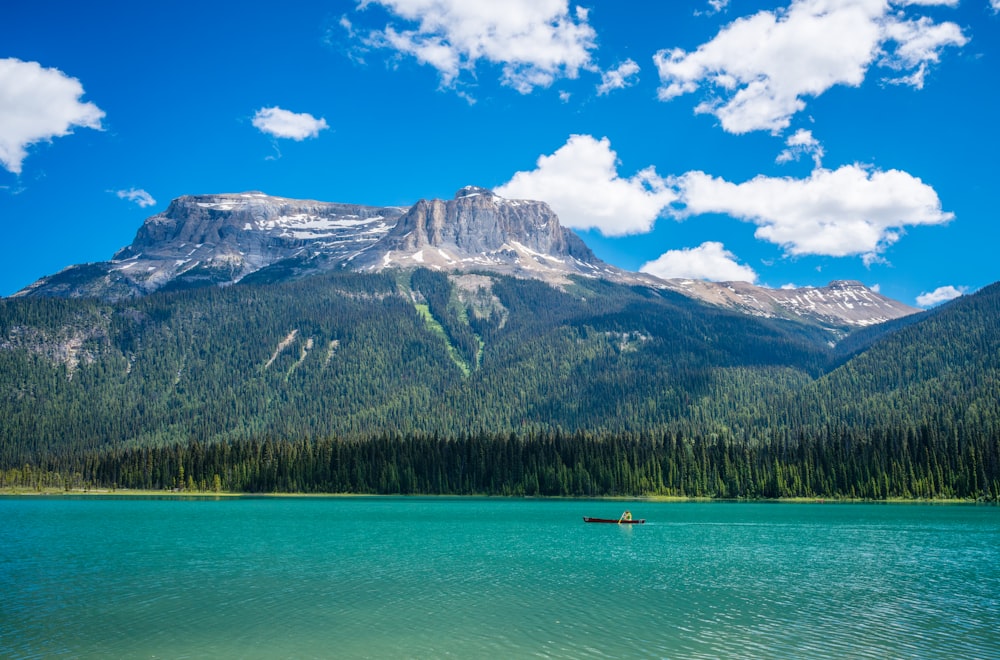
(580, 181)
(709, 261)
(136, 195)
(36, 105)
(942, 294)
(853, 210)
(287, 124)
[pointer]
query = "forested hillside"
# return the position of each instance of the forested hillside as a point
(599, 388)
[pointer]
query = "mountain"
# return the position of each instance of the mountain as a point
(350, 353)
(937, 373)
(946, 366)
(473, 345)
(223, 239)
(842, 303)
(638, 388)
(220, 239)
(478, 230)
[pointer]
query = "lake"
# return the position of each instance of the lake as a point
(382, 577)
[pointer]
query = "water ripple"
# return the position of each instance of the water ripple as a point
(433, 578)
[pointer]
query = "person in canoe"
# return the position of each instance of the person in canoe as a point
(625, 516)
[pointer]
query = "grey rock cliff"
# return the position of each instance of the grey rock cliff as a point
(481, 230)
(220, 239)
(204, 240)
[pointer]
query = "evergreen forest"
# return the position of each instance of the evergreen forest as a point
(428, 383)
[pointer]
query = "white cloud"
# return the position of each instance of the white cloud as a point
(286, 124)
(940, 295)
(580, 182)
(137, 195)
(620, 77)
(853, 210)
(802, 142)
(38, 104)
(918, 43)
(928, 3)
(995, 4)
(762, 67)
(709, 261)
(536, 41)
(715, 6)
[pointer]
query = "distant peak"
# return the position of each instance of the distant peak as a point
(472, 191)
(846, 284)
(240, 196)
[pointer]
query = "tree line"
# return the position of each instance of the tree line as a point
(840, 463)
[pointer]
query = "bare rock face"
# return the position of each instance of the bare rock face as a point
(843, 303)
(477, 222)
(481, 230)
(252, 230)
(219, 239)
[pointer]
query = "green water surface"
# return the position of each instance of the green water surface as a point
(489, 578)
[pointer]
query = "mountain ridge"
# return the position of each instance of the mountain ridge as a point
(478, 229)
(221, 239)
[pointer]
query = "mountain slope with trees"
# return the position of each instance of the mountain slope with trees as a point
(417, 381)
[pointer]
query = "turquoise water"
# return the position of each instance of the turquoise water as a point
(478, 578)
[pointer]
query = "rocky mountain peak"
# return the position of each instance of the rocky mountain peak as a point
(472, 191)
(845, 285)
(841, 303)
(479, 229)
(219, 239)
(229, 220)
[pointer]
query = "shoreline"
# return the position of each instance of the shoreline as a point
(173, 494)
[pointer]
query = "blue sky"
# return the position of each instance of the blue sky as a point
(783, 143)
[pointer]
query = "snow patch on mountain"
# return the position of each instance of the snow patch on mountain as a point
(204, 240)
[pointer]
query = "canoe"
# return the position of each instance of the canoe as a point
(614, 520)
